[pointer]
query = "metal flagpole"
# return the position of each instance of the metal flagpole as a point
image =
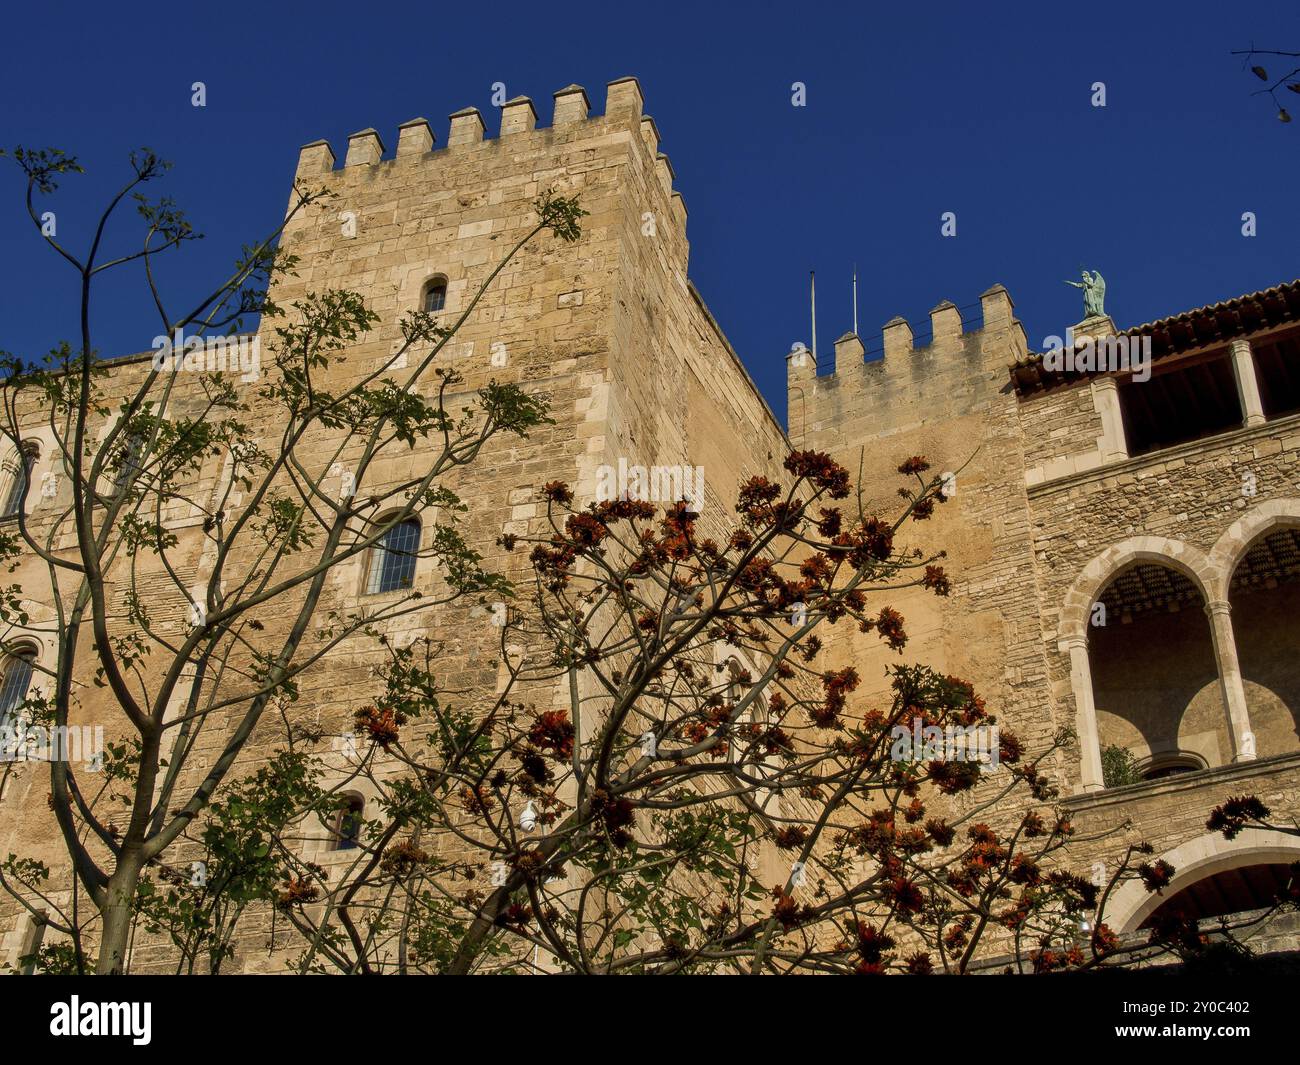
(812, 275)
(855, 299)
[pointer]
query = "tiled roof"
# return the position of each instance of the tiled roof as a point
(1215, 323)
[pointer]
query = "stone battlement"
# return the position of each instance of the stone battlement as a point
(571, 117)
(961, 365)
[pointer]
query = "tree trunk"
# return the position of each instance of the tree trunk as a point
(117, 912)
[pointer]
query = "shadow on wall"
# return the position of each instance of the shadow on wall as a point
(1155, 684)
(1267, 626)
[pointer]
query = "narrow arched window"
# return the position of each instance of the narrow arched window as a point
(21, 476)
(133, 454)
(435, 295)
(392, 559)
(348, 823)
(14, 684)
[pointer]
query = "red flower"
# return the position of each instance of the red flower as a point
(821, 470)
(1156, 875)
(1235, 814)
(936, 580)
(889, 624)
(296, 892)
(919, 964)
(553, 731)
(380, 724)
(939, 831)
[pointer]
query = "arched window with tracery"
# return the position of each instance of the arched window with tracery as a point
(18, 475)
(18, 666)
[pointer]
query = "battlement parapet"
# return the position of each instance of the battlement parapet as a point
(571, 107)
(571, 119)
(960, 365)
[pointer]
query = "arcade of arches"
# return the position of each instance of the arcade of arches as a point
(1184, 679)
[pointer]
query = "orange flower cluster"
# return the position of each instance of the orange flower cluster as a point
(553, 731)
(380, 723)
(297, 892)
(1235, 814)
(837, 685)
(616, 814)
(402, 858)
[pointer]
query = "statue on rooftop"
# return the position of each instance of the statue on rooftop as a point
(1094, 294)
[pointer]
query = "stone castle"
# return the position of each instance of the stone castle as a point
(1124, 555)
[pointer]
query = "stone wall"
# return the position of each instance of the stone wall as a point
(1044, 515)
(608, 330)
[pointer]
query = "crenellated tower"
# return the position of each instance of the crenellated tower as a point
(610, 327)
(947, 400)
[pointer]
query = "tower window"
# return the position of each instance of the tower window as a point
(15, 682)
(347, 826)
(392, 559)
(133, 453)
(22, 473)
(435, 295)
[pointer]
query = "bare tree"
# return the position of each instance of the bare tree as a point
(274, 530)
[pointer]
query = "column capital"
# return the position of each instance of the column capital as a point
(1218, 608)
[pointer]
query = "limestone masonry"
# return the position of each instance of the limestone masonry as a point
(1124, 554)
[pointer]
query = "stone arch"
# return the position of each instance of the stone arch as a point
(1190, 561)
(1232, 546)
(1073, 627)
(1264, 621)
(1195, 860)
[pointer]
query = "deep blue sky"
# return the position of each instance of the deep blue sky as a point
(912, 110)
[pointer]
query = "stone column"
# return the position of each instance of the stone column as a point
(1105, 398)
(1230, 684)
(1243, 368)
(1085, 714)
